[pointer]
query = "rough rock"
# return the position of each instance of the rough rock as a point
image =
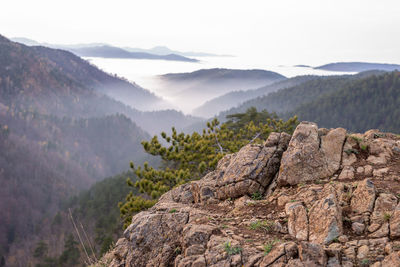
(384, 208)
(363, 198)
(253, 168)
(308, 215)
(325, 219)
(358, 228)
(347, 173)
(314, 253)
(349, 159)
(309, 156)
(395, 222)
(392, 260)
(297, 221)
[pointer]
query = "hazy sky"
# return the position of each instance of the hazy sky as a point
(281, 31)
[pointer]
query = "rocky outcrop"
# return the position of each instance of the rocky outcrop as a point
(253, 168)
(312, 154)
(328, 199)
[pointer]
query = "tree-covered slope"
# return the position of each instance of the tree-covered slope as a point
(287, 99)
(45, 72)
(193, 89)
(358, 66)
(95, 209)
(232, 99)
(373, 102)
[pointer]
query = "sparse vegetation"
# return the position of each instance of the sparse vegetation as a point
(172, 210)
(256, 196)
(365, 262)
(335, 240)
(356, 138)
(178, 250)
(262, 225)
(231, 250)
(387, 216)
(270, 245)
(351, 150)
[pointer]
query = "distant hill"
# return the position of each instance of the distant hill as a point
(56, 82)
(287, 99)
(108, 51)
(195, 88)
(115, 52)
(232, 99)
(19, 62)
(358, 66)
(61, 131)
(163, 50)
(372, 102)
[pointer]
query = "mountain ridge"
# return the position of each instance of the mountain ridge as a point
(307, 202)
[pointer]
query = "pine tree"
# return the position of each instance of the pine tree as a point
(188, 157)
(71, 254)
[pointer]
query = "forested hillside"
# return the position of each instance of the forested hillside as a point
(60, 133)
(233, 99)
(373, 102)
(38, 71)
(45, 159)
(96, 210)
(286, 100)
(193, 89)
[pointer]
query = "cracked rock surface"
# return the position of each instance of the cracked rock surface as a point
(310, 213)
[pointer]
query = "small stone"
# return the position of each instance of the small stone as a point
(376, 264)
(392, 259)
(350, 253)
(388, 248)
(381, 172)
(358, 228)
(377, 160)
(347, 173)
(347, 264)
(368, 170)
(282, 200)
(363, 252)
(373, 227)
(360, 170)
(381, 232)
(363, 242)
(343, 238)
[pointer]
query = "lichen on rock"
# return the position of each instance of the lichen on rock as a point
(309, 211)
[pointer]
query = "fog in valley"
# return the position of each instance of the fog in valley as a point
(106, 106)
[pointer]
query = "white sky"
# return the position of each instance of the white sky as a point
(280, 31)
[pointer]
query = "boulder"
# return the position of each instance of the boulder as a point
(393, 259)
(153, 238)
(325, 219)
(297, 221)
(363, 198)
(309, 156)
(312, 253)
(253, 168)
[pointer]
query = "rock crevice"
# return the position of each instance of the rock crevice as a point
(328, 199)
